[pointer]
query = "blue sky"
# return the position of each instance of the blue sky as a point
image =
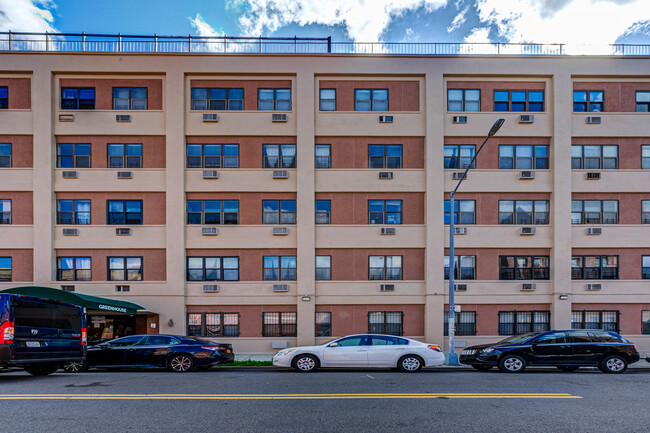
(543, 21)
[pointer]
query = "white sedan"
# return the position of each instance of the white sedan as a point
(363, 350)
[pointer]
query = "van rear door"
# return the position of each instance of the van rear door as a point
(67, 322)
(33, 329)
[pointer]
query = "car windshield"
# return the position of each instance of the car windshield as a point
(518, 338)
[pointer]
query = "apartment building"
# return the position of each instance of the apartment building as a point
(270, 200)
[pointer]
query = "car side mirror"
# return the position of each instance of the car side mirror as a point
(333, 344)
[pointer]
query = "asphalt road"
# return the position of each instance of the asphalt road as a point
(270, 400)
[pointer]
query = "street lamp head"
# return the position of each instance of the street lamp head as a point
(496, 127)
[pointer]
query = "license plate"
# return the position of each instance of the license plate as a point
(33, 344)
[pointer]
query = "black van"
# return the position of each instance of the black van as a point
(40, 334)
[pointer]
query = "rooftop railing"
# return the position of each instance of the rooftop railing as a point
(106, 43)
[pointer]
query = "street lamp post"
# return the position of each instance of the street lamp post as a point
(452, 358)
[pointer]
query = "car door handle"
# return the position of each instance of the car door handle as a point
(362, 350)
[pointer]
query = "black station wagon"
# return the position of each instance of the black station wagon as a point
(567, 350)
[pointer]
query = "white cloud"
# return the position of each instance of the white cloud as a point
(364, 20)
(202, 28)
(478, 35)
(458, 21)
(27, 16)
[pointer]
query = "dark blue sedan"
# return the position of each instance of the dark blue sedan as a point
(174, 352)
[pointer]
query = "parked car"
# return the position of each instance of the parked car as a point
(40, 334)
(176, 353)
(567, 350)
(364, 350)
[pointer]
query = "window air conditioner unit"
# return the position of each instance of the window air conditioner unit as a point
(593, 120)
(593, 175)
(528, 287)
(460, 287)
(123, 232)
(388, 230)
(70, 232)
(67, 288)
(528, 230)
(460, 230)
(278, 117)
(385, 119)
(210, 117)
(280, 287)
(526, 118)
(122, 288)
(70, 174)
(122, 117)
(594, 286)
(387, 287)
(280, 174)
(125, 175)
(458, 175)
(527, 174)
(385, 175)
(280, 231)
(210, 174)
(66, 117)
(209, 231)
(594, 231)
(459, 119)
(211, 288)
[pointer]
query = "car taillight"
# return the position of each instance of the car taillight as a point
(434, 347)
(214, 347)
(7, 333)
(84, 336)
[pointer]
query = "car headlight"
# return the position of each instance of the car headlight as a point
(284, 352)
(488, 350)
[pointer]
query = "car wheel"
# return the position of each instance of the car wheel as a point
(41, 370)
(568, 367)
(512, 364)
(181, 363)
(75, 366)
(613, 364)
(482, 367)
(410, 363)
(305, 363)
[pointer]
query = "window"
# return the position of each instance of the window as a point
(323, 156)
(645, 322)
(279, 268)
(459, 156)
(4, 97)
(594, 211)
(213, 325)
(519, 100)
(279, 211)
(370, 99)
(73, 211)
(523, 267)
(594, 268)
(645, 211)
(465, 323)
(129, 98)
(645, 157)
(274, 99)
(384, 211)
(213, 269)
(385, 156)
(607, 320)
(384, 267)
(279, 324)
(386, 322)
(594, 157)
(124, 268)
(73, 155)
(218, 99)
(323, 267)
(124, 211)
(523, 157)
(588, 100)
(125, 156)
(212, 155)
(5, 155)
(279, 156)
(523, 322)
(327, 100)
(5, 211)
(323, 324)
(323, 210)
(523, 211)
(73, 269)
(463, 100)
(465, 211)
(643, 101)
(213, 212)
(5, 268)
(645, 267)
(464, 267)
(77, 98)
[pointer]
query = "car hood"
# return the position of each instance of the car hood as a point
(304, 349)
(496, 345)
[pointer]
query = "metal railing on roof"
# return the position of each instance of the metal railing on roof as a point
(110, 43)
